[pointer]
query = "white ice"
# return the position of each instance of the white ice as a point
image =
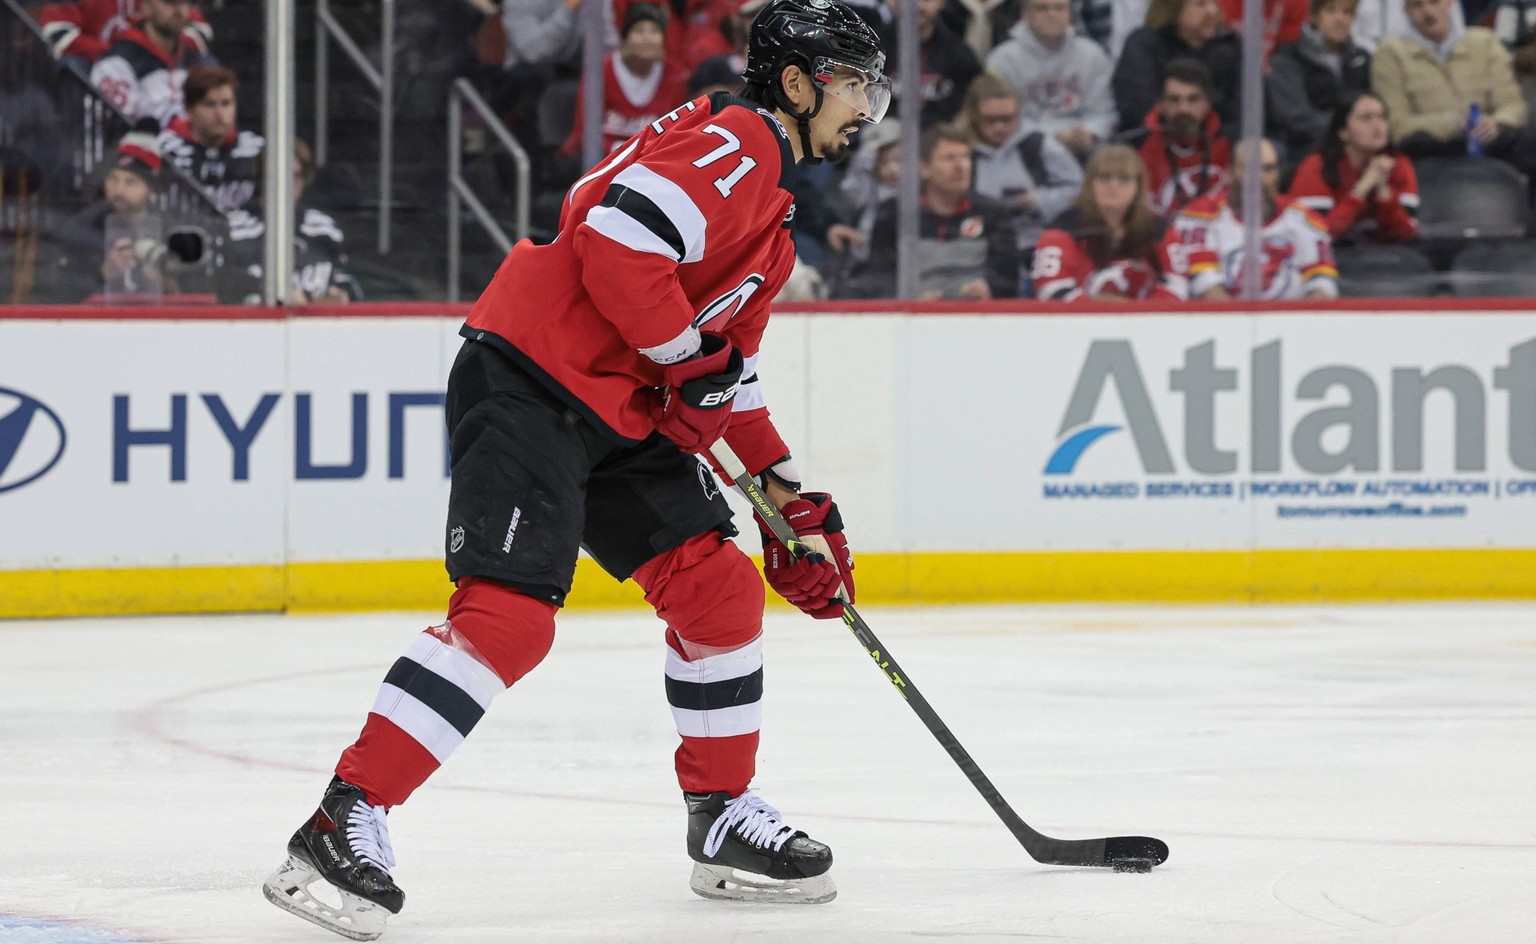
(1360, 774)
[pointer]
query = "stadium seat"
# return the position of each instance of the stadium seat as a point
(1385, 270)
(1495, 269)
(1462, 198)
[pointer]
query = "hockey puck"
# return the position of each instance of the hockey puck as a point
(1133, 865)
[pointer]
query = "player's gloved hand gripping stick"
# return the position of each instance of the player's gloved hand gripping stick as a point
(1121, 853)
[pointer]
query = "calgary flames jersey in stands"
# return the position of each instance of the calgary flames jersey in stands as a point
(685, 228)
(1064, 269)
(1298, 253)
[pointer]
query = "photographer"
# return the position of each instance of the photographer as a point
(115, 248)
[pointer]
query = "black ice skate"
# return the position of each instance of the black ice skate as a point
(742, 851)
(343, 850)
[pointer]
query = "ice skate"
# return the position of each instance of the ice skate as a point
(343, 853)
(743, 851)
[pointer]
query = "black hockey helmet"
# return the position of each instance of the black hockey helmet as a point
(818, 36)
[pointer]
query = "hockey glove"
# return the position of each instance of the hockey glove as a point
(817, 581)
(697, 404)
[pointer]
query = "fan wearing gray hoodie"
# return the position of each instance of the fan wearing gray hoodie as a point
(1063, 80)
(1028, 170)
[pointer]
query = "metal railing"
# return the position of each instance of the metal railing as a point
(462, 93)
(382, 79)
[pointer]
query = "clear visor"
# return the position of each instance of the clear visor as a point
(869, 94)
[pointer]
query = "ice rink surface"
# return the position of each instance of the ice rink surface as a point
(1362, 774)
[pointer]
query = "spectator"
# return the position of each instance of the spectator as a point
(1429, 77)
(143, 72)
(1062, 78)
(1282, 21)
(207, 144)
(1298, 255)
(1310, 77)
(1109, 244)
(966, 247)
(1178, 29)
(1357, 182)
(319, 262)
(81, 31)
(1375, 20)
(115, 249)
(874, 173)
(946, 66)
(638, 84)
(1024, 168)
(1185, 152)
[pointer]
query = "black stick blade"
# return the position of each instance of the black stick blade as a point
(1134, 853)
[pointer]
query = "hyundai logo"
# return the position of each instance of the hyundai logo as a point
(31, 439)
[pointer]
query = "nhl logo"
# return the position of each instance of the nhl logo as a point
(455, 540)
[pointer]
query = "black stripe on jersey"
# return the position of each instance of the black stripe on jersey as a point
(638, 207)
(447, 699)
(704, 696)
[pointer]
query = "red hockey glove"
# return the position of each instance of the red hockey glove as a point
(697, 404)
(815, 581)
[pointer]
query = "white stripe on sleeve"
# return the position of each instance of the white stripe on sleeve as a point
(671, 200)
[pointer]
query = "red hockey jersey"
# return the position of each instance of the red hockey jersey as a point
(1178, 173)
(630, 103)
(88, 28)
(1064, 270)
(685, 228)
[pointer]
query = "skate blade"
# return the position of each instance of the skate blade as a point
(726, 884)
(356, 918)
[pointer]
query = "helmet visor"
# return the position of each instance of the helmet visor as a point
(868, 93)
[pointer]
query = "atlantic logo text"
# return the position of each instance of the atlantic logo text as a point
(1343, 436)
(32, 439)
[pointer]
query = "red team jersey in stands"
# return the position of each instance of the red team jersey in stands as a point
(1064, 270)
(684, 228)
(88, 28)
(629, 104)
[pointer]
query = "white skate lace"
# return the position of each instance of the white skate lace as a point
(368, 835)
(757, 822)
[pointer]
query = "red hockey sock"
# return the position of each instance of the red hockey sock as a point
(711, 598)
(437, 691)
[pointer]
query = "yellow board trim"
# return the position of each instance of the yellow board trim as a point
(1304, 576)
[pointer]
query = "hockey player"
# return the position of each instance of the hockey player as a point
(1297, 251)
(592, 368)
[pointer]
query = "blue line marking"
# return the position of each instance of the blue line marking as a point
(15, 929)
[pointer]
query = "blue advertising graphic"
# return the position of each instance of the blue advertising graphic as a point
(32, 439)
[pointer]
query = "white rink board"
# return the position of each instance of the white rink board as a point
(1282, 488)
(934, 432)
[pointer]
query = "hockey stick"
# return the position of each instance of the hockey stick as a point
(1121, 853)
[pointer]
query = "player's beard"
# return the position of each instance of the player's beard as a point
(836, 149)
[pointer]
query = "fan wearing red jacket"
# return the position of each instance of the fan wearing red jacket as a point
(1109, 244)
(639, 83)
(594, 368)
(1357, 182)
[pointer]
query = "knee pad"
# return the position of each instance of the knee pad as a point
(504, 628)
(709, 594)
